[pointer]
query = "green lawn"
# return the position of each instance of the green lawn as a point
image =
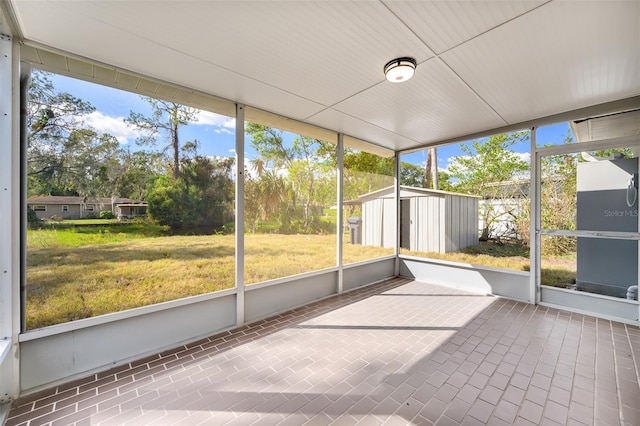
(70, 234)
(78, 272)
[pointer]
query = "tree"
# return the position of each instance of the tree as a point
(169, 203)
(165, 121)
(137, 170)
(365, 172)
(444, 182)
(431, 169)
(302, 162)
(202, 196)
(490, 170)
(91, 163)
(65, 156)
(558, 201)
(411, 175)
(266, 199)
(211, 188)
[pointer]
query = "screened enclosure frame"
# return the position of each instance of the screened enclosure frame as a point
(611, 306)
(21, 352)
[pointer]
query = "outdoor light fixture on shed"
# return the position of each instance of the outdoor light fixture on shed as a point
(400, 69)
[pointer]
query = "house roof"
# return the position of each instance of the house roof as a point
(55, 199)
(311, 67)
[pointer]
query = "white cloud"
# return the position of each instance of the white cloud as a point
(114, 126)
(223, 124)
(450, 161)
(117, 127)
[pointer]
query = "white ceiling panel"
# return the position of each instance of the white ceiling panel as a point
(559, 57)
(274, 43)
(431, 106)
(496, 63)
(445, 24)
(101, 43)
(360, 129)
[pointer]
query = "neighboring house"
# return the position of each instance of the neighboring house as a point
(431, 220)
(80, 207)
(130, 210)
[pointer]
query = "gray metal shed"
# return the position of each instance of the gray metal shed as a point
(431, 221)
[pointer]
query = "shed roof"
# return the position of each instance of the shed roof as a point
(405, 192)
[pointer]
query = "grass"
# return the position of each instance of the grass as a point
(79, 272)
(73, 275)
(70, 235)
(556, 271)
(81, 222)
(69, 283)
(485, 254)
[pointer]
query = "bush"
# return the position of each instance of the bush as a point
(32, 218)
(107, 214)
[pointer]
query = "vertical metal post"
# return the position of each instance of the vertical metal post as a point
(339, 212)
(534, 225)
(396, 182)
(6, 139)
(25, 80)
(9, 224)
(239, 215)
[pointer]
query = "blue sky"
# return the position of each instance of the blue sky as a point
(215, 133)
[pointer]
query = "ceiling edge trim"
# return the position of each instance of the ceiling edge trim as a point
(9, 20)
(142, 85)
(621, 105)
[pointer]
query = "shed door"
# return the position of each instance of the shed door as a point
(405, 224)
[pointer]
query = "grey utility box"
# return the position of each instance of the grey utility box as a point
(607, 201)
(355, 229)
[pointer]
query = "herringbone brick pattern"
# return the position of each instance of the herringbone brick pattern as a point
(400, 352)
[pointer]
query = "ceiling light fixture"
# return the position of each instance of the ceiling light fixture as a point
(399, 70)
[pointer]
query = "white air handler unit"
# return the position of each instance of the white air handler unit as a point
(608, 202)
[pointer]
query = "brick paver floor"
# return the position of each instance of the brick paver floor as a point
(398, 353)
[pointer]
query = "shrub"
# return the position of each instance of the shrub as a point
(32, 218)
(107, 214)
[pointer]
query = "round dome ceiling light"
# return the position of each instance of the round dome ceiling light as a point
(399, 70)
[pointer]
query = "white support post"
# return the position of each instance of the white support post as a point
(534, 225)
(239, 215)
(396, 197)
(340, 212)
(9, 224)
(21, 309)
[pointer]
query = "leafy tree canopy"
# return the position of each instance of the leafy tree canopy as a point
(165, 120)
(486, 163)
(65, 156)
